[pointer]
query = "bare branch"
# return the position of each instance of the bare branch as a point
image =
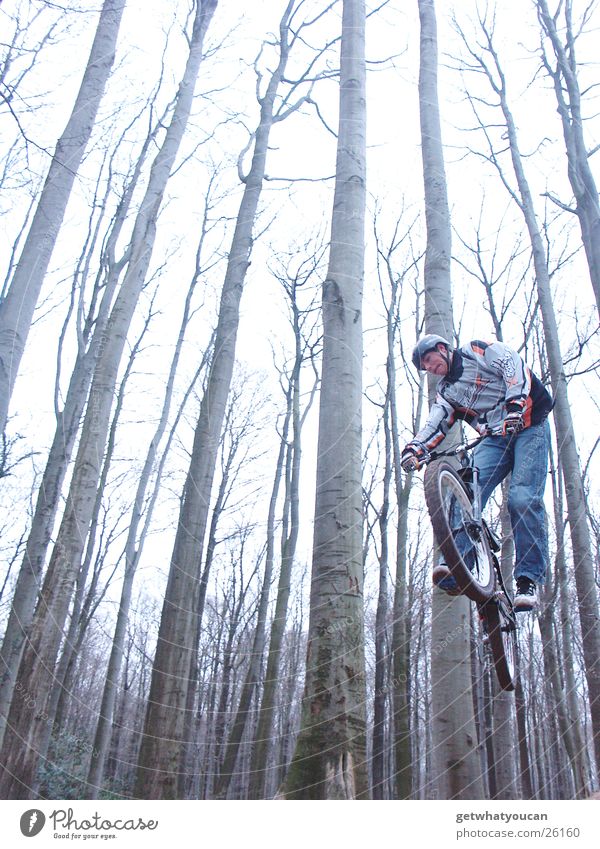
(559, 203)
(322, 119)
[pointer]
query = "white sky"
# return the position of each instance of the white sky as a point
(300, 148)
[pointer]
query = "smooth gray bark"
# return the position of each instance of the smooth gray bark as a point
(262, 749)
(140, 521)
(134, 546)
(457, 773)
(402, 630)
(504, 720)
(330, 757)
(525, 767)
(574, 737)
(83, 600)
(163, 738)
(28, 731)
(250, 684)
(380, 698)
(587, 594)
(16, 310)
(67, 427)
(569, 99)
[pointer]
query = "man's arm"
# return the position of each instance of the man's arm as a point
(439, 421)
(515, 374)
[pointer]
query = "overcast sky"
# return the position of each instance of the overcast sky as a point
(301, 148)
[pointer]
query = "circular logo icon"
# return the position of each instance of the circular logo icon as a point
(32, 822)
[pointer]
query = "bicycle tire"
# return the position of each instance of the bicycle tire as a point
(502, 638)
(450, 508)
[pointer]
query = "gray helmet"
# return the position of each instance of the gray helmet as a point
(425, 345)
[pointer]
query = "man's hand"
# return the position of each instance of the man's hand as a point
(513, 423)
(413, 457)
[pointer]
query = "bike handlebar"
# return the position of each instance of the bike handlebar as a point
(459, 451)
(463, 448)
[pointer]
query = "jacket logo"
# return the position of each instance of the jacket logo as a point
(506, 365)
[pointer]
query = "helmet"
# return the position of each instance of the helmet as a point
(425, 345)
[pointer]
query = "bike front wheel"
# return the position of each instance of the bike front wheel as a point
(462, 540)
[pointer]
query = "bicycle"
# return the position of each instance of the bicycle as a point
(469, 548)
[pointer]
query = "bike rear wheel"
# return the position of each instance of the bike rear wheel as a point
(462, 541)
(502, 637)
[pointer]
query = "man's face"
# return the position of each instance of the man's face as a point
(435, 362)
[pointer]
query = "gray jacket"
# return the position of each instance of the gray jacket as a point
(486, 381)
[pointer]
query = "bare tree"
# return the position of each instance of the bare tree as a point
(564, 75)
(140, 522)
(494, 273)
(329, 761)
(17, 308)
(393, 284)
(289, 458)
(26, 737)
(563, 676)
(163, 737)
(484, 58)
(456, 764)
(91, 338)
(28, 33)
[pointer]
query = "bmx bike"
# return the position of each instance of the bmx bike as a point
(469, 549)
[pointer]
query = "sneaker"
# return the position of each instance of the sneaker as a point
(526, 595)
(443, 580)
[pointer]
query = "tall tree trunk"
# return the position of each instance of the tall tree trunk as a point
(504, 737)
(488, 731)
(228, 674)
(525, 768)
(401, 630)
(59, 457)
(330, 757)
(192, 709)
(400, 648)
(557, 700)
(587, 594)
(479, 704)
(380, 698)
(568, 664)
(260, 772)
(256, 655)
(133, 550)
(259, 764)
(212, 716)
(16, 310)
(27, 587)
(164, 726)
(457, 772)
(80, 612)
(568, 95)
(27, 736)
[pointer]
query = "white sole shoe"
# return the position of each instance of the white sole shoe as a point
(525, 602)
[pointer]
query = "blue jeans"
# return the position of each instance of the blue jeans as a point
(526, 456)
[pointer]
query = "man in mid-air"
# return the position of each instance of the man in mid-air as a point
(488, 385)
